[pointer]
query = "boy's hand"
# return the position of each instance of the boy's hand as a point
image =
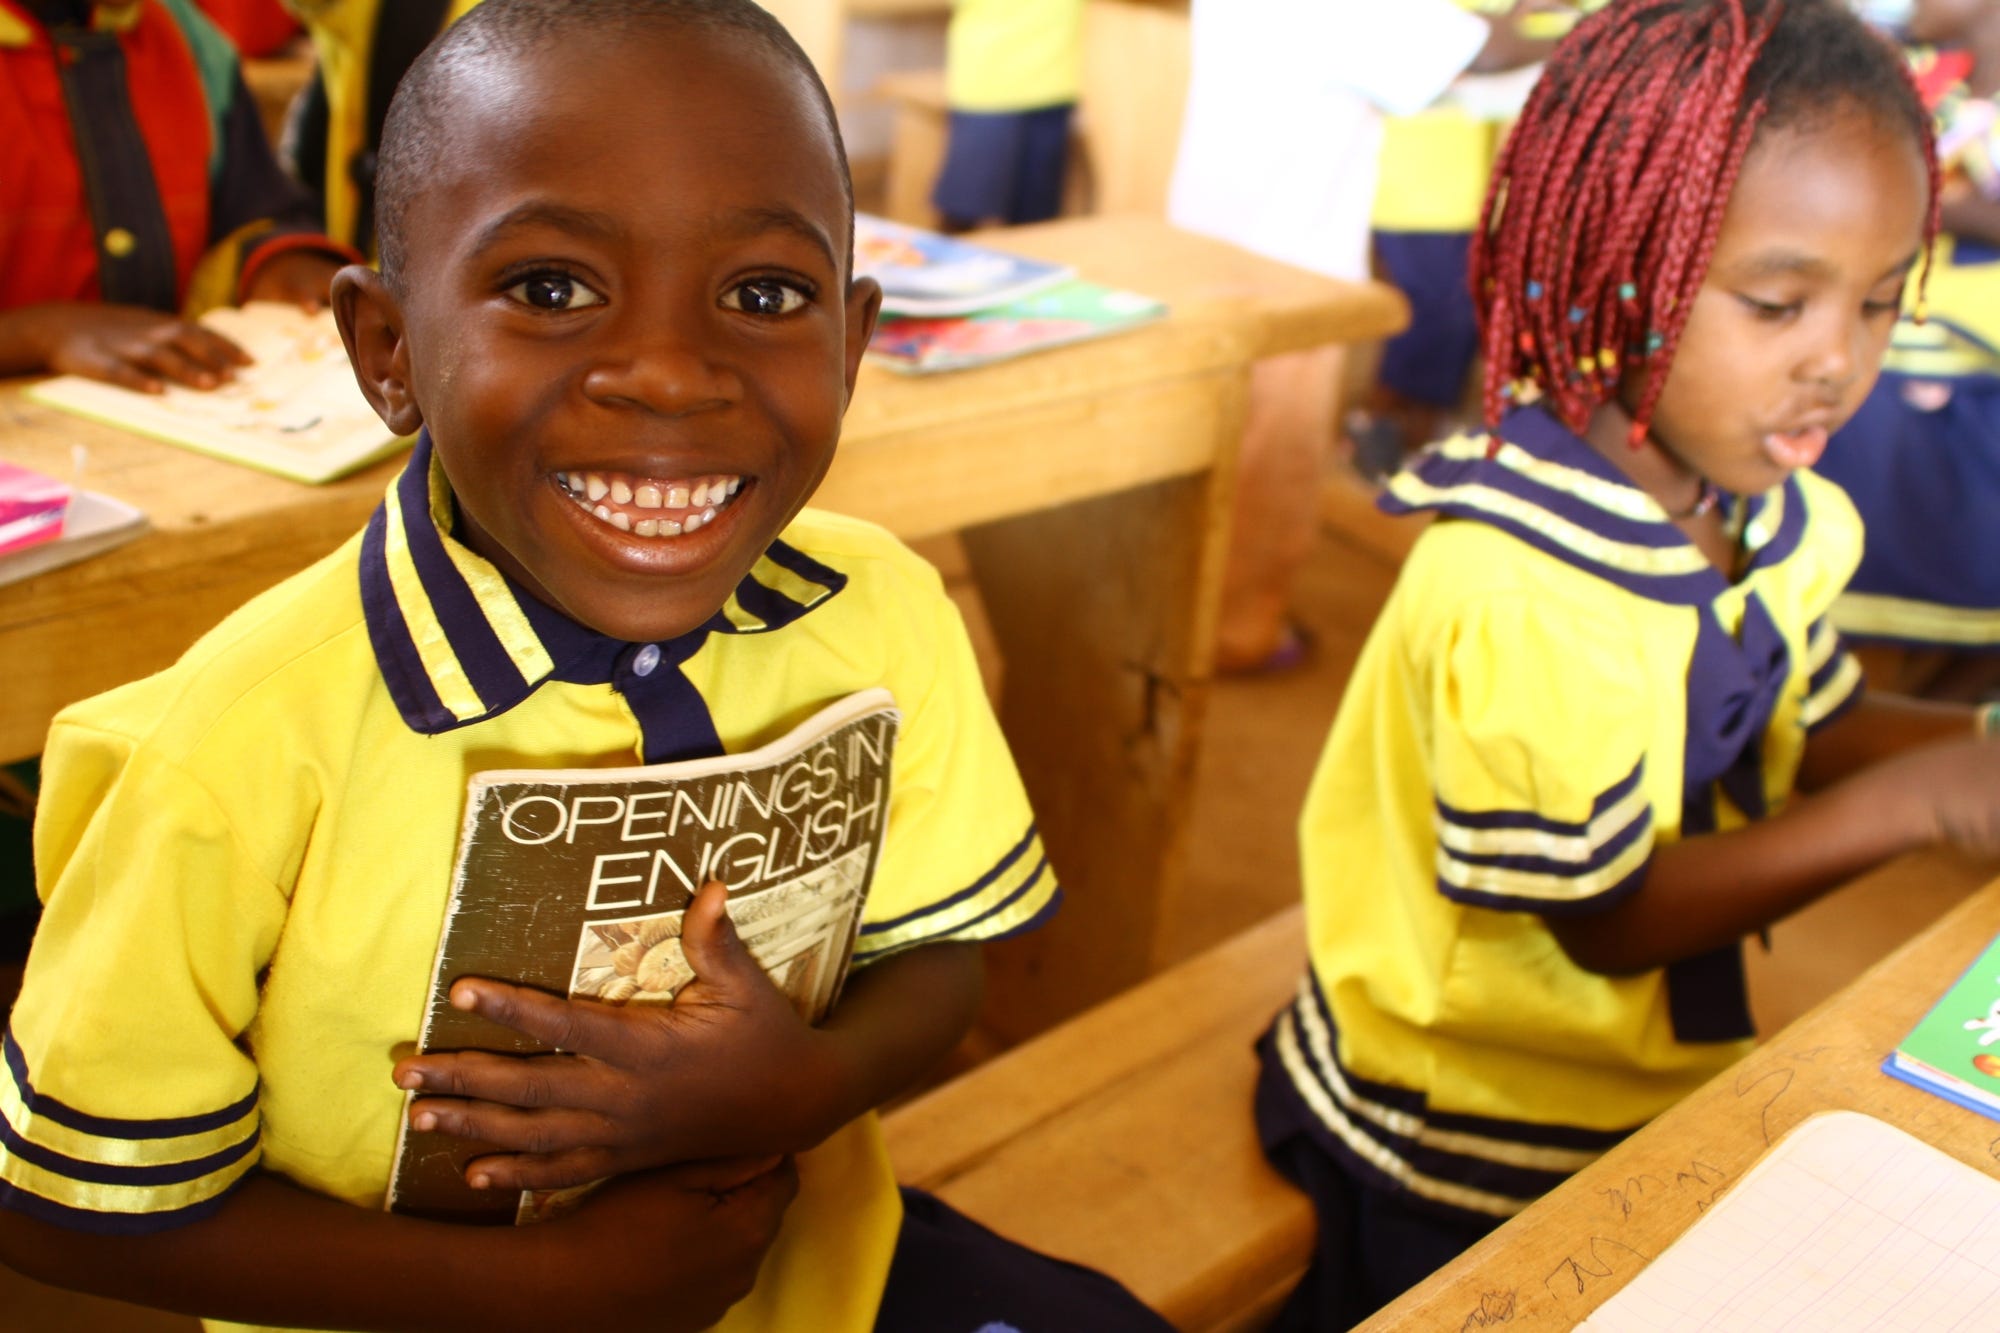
(132, 346)
(668, 1250)
(297, 277)
(727, 1069)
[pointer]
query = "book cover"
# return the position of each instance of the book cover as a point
(32, 507)
(297, 411)
(575, 881)
(928, 273)
(95, 523)
(1955, 1050)
(1068, 313)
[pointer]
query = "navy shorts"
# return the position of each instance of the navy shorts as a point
(1430, 360)
(1005, 166)
(952, 1275)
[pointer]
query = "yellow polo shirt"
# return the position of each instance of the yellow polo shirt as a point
(1559, 683)
(245, 860)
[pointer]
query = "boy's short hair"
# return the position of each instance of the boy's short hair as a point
(417, 127)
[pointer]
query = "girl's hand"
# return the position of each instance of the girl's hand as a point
(1958, 784)
(131, 346)
(297, 277)
(728, 1069)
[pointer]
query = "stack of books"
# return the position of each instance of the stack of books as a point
(949, 303)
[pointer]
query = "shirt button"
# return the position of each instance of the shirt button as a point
(646, 659)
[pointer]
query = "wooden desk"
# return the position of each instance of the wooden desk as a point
(1568, 1253)
(1091, 485)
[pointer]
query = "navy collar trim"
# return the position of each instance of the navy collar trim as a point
(458, 642)
(1549, 487)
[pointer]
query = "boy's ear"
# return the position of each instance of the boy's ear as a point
(864, 307)
(371, 324)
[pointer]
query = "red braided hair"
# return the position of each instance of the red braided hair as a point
(1608, 197)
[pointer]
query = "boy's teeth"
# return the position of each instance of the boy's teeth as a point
(639, 504)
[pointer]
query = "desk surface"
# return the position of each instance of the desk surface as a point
(920, 455)
(1551, 1266)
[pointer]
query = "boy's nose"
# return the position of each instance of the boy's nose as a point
(660, 368)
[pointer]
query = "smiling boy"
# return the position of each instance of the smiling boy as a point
(616, 301)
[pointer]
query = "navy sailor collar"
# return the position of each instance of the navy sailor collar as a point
(1549, 487)
(458, 642)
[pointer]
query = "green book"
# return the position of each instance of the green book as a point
(1955, 1051)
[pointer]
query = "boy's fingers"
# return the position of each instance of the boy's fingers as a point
(552, 1171)
(708, 937)
(567, 1025)
(511, 1080)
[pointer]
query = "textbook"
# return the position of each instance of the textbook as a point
(927, 273)
(1056, 317)
(32, 507)
(94, 523)
(1847, 1224)
(575, 881)
(296, 411)
(1955, 1050)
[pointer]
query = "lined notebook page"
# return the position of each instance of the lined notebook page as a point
(1848, 1223)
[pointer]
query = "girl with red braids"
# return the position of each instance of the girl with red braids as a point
(1602, 730)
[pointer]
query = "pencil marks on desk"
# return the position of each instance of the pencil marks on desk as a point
(1494, 1308)
(1773, 1082)
(1600, 1259)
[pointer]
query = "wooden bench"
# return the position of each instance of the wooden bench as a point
(1123, 1138)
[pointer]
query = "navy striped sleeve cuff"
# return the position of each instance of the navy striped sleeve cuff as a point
(1016, 894)
(117, 1177)
(1519, 861)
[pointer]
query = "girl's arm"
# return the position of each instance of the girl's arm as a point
(728, 1069)
(1707, 891)
(1879, 726)
(670, 1250)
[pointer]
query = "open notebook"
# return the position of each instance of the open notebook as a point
(1847, 1224)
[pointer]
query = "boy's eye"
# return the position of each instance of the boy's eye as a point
(765, 296)
(554, 291)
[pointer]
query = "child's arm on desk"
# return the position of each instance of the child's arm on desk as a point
(668, 1250)
(727, 1069)
(1891, 776)
(126, 345)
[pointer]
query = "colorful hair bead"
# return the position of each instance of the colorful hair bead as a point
(1534, 291)
(1576, 314)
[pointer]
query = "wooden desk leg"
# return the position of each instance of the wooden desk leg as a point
(1105, 612)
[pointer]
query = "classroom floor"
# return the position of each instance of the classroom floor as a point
(1264, 734)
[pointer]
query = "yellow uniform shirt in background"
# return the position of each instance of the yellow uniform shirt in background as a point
(1013, 55)
(245, 861)
(1516, 740)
